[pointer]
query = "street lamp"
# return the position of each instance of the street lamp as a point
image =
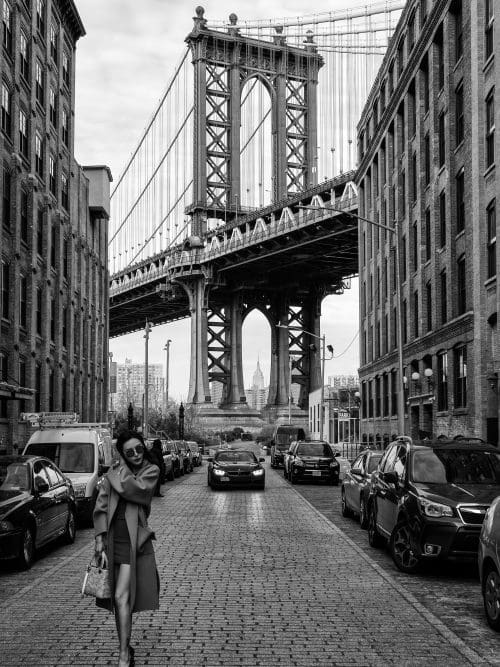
(392, 230)
(147, 331)
(167, 349)
(323, 359)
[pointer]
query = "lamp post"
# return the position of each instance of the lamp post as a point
(167, 350)
(323, 359)
(147, 331)
(399, 340)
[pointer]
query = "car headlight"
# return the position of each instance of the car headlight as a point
(258, 473)
(298, 462)
(334, 464)
(79, 488)
(434, 510)
(219, 472)
(6, 526)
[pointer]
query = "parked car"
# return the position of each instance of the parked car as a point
(168, 458)
(196, 452)
(281, 439)
(37, 506)
(311, 460)
(355, 487)
(429, 499)
(173, 449)
(235, 467)
(187, 455)
(489, 564)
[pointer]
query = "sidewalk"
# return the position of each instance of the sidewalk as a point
(248, 578)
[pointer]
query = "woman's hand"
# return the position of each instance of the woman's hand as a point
(100, 552)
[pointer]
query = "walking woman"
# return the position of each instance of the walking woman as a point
(123, 539)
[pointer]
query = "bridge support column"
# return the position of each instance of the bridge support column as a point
(279, 379)
(236, 390)
(312, 314)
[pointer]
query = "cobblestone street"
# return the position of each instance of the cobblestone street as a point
(251, 578)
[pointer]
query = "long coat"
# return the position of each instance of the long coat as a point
(137, 489)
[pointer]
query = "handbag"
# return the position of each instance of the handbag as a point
(96, 581)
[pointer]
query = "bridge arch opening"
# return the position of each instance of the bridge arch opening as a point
(256, 349)
(256, 144)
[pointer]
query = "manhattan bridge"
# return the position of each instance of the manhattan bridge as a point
(239, 194)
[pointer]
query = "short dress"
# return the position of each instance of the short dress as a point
(121, 537)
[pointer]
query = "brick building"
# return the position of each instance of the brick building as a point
(53, 230)
(427, 158)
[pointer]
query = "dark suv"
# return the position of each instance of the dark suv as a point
(311, 460)
(429, 499)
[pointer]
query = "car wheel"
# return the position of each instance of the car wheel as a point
(27, 553)
(70, 532)
(401, 548)
(363, 514)
(491, 599)
(345, 510)
(374, 537)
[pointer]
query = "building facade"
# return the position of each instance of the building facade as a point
(130, 387)
(53, 232)
(427, 160)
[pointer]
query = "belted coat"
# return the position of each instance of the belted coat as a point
(137, 490)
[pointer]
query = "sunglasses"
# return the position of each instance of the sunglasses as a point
(130, 453)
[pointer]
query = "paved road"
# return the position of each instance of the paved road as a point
(250, 578)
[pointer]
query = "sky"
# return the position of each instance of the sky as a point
(123, 65)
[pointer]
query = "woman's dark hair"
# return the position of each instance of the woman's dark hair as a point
(124, 437)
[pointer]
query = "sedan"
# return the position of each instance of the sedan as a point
(235, 467)
(37, 506)
(489, 564)
(356, 486)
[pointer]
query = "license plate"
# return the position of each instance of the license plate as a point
(316, 473)
(224, 479)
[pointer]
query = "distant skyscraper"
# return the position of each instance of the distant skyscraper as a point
(257, 394)
(258, 378)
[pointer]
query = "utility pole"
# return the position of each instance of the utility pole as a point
(147, 330)
(167, 349)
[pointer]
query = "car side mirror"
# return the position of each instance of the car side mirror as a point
(391, 477)
(41, 486)
(356, 471)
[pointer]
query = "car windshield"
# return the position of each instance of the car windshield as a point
(373, 462)
(314, 449)
(456, 466)
(235, 457)
(76, 457)
(15, 477)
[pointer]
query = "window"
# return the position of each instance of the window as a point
(401, 59)
(492, 238)
(64, 317)
(7, 27)
(39, 155)
(428, 295)
(459, 114)
(442, 381)
(51, 391)
(426, 84)
(490, 129)
(6, 106)
(65, 127)
(39, 83)
(415, 246)
(461, 286)
(53, 107)
(394, 392)
(23, 294)
(423, 12)
(23, 133)
(38, 316)
(442, 218)
(411, 32)
(459, 31)
(427, 159)
(6, 202)
(52, 175)
(54, 39)
(39, 231)
(404, 321)
(427, 234)
(40, 17)
(5, 291)
(4, 376)
(52, 319)
(414, 178)
(402, 199)
(53, 246)
(22, 381)
(403, 259)
(442, 139)
(24, 216)
(38, 386)
(65, 192)
(444, 298)
(488, 29)
(460, 186)
(66, 69)
(460, 373)
(416, 326)
(24, 61)
(440, 57)
(65, 258)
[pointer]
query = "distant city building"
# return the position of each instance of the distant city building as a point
(130, 386)
(257, 394)
(343, 381)
(258, 377)
(427, 150)
(216, 392)
(54, 229)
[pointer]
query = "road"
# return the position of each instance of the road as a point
(274, 577)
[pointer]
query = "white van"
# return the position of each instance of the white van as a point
(83, 452)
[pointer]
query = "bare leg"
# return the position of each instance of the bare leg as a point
(123, 614)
